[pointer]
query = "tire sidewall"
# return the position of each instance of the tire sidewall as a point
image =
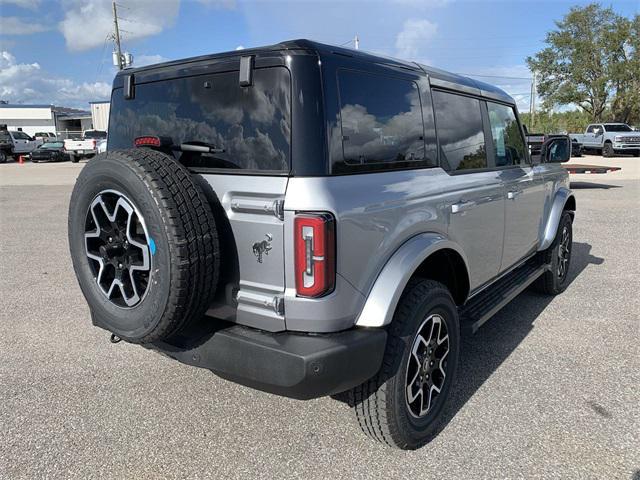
(110, 172)
(559, 285)
(417, 430)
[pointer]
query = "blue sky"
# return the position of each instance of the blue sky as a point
(59, 52)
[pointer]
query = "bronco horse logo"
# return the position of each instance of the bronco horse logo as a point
(263, 247)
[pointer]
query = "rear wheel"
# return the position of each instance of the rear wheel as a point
(558, 257)
(144, 244)
(607, 150)
(73, 158)
(402, 404)
(3, 156)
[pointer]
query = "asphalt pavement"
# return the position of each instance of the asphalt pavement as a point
(549, 388)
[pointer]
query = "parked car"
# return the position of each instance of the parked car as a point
(15, 143)
(49, 152)
(86, 147)
(44, 137)
(310, 220)
(609, 139)
(534, 141)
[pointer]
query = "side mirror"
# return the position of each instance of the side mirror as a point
(556, 150)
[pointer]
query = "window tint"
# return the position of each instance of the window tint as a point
(507, 140)
(21, 136)
(382, 124)
(618, 127)
(252, 124)
(460, 131)
(97, 134)
(590, 129)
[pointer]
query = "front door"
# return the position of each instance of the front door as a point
(523, 189)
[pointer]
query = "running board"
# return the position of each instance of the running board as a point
(483, 306)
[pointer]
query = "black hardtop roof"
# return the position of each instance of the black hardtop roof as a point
(442, 78)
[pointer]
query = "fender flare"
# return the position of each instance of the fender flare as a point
(383, 297)
(559, 201)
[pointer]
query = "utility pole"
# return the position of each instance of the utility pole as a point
(117, 37)
(356, 42)
(532, 109)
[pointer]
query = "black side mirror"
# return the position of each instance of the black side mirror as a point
(556, 150)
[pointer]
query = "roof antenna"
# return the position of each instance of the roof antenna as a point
(356, 42)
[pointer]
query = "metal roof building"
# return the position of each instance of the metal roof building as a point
(44, 118)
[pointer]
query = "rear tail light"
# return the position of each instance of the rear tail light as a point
(94, 144)
(315, 254)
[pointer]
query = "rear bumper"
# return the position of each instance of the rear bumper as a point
(293, 365)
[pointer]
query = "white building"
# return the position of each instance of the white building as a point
(31, 119)
(100, 114)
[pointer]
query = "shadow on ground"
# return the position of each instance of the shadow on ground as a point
(481, 354)
(584, 185)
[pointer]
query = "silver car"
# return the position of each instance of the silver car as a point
(310, 220)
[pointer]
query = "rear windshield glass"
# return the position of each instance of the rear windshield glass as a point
(98, 134)
(252, 124)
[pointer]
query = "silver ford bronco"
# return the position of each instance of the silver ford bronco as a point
(310, 220)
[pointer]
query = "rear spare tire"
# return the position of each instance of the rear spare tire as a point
(144, 244)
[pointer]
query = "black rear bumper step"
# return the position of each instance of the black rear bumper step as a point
(483, 306)
(294, 365)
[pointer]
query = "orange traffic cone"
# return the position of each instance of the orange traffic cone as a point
(21, 159)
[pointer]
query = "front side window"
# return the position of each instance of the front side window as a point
(21, 136)
(382, 125)
(507, 140)
(252, 124)
(460, 132)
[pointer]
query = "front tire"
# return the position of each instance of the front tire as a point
(401, 405)
(558, 258)
(607, 150)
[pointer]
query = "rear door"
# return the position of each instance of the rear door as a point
(246, 180)
(473, 194)
(523, 189)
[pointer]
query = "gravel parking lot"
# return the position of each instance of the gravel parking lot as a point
(549, 388)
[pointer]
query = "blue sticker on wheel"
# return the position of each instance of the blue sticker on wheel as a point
(152, 246)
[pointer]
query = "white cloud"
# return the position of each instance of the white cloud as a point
(28, 83)
(30, 4)
(88, 23)
(17, 26)
(240, 47)
(143, 60)
(415, 33)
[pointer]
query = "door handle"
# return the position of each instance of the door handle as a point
(513, 194)
(462, 207)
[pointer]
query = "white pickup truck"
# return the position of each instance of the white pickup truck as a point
(609, 139)
(86, 147)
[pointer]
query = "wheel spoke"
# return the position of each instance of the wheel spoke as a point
(426, 370)
(117, 245)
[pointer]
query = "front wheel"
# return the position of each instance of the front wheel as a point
(3, 156)
(607, 150)
(402, 404)
(558, 257)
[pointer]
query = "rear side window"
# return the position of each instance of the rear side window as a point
(507, 140)
(382, 125)
(252, 124)
(460, 132)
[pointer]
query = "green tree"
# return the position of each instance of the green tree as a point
(589, 61)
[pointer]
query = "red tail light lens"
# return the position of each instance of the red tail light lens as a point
(315, 254)
(147, 141)
(94, 144)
